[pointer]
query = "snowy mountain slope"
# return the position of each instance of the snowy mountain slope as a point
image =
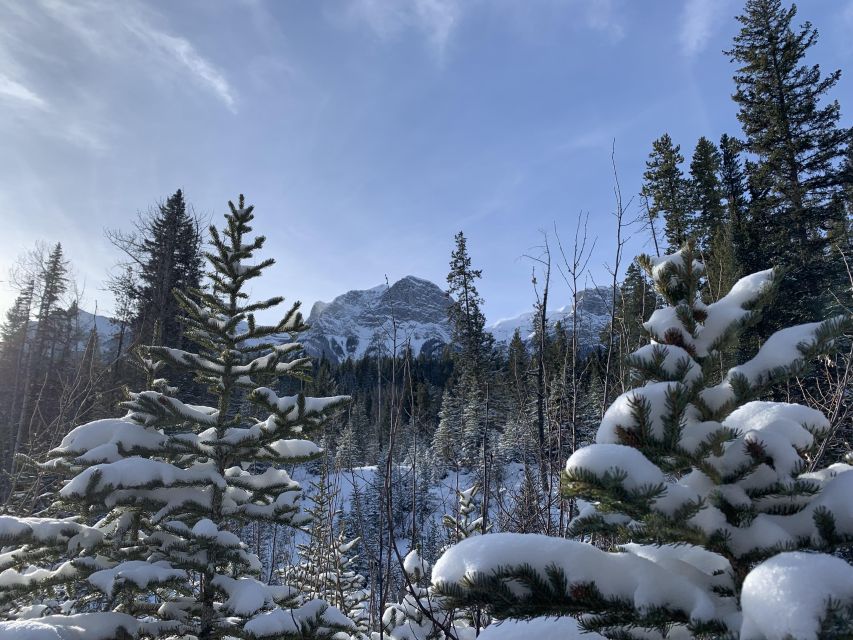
(593, 316)
(107, 330)
(104, 325)
(360, 322)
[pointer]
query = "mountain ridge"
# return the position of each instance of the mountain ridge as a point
(411, 312)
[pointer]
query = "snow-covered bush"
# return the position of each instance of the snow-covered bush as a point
(327, 566)
(144, 541)
(422, 614)
(705, 488)
(465, 522)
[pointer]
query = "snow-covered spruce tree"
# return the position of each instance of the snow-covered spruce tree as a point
(327, 567)
(349, 592)
(422, 614)
(704, 488)
(465, 523)
(311, 575)
(158, 494)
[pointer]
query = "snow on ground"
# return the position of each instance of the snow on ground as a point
(538, 629)
(366, 481)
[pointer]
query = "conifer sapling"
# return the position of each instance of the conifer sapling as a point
(155, 497)
(703, 487)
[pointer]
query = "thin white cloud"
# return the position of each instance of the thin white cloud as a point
(128, 31)
(600, 15)
(20, 94)
(439, 19)
(203, 71)
(699, 21)
(50, 51)
(436, 20)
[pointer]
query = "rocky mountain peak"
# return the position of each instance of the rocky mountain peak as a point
(362, 321)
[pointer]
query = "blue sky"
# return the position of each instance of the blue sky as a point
(366, 132)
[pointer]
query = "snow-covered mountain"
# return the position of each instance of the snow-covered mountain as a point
(358, 322)
(593, 316)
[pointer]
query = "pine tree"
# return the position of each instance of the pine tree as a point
(840, 234)
(51, 285)
(795, 144)
(14, 334)
(421, 615)
(349, 592)
(472, 351)
(733, 183)
(312, 576)
(703, 487)
(716, 177)
(347, 449)
(158, 494)
(473, 343)
(474, 422)
(171, 251)
(327, 567)
(526, 514)
(634, 304)
(465, 523)
(448, 436)
(706, 192)
(666, 190)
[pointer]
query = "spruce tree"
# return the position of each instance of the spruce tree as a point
(706, 192)
(666, 190)
(794, 140)
(171, 251)
(349, 592)
(635, 303)
(158, 494)
(472, 351)
(733, 183)
(472, 342)
(447, 439)
(465, 522)
(50, 287)
(702, 486)
(421, 614)
(14, 334)
(312, 575)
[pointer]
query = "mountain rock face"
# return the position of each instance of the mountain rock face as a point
(358, 323)
(593, 315)
(361, 322)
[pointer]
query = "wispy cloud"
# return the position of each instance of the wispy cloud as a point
(51, 52)
(130, 31)
(436, 20)
(20, 94)
(699, 21)
(601, 15)
(439, 19)
(203, 71)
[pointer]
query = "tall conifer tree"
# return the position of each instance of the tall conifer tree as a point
(666, 190)
(794, 140)
(51, 285)
(472, 349)
(706, 191)
(157, 494)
